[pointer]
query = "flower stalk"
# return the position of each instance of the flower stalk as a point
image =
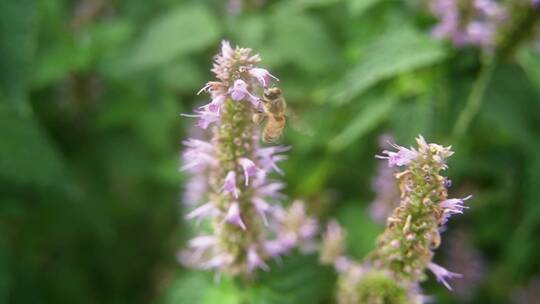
(393, 271)
(230, 189)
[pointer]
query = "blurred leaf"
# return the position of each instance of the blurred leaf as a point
(153, 120)
(5, 275)
(521, 250)
(362, 231)
(110, 41)
(166, 171)
(533, 191)
(190, 288)
(306, 4)
(112, 33)
(302, 41)
(183, 76)
(250, 30)
(418, 83)
(395, 52)
(102, 43)
(224, 292)
(316, 179)
(374, 113)
(183, 30)
(299, 279)
(410, 119)
(357, 7)
(156, 124)
(369, 27)
(530, 62)
(27, 155)
(17, 43)
(511, 107)
(55, 63)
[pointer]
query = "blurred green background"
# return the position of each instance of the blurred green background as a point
(90, 135)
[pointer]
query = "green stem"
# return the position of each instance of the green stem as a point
(518, 31)
(512, 37)
(474, 101)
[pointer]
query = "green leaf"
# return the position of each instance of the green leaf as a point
(396, 52)
(17, 43)
(369, 118)
(183, 30)
(225, 293)
(510, 106)
(357, 7)
(362, 231)
(56, 62)
(410, 119)
(302, 41)
(249, 30)
(183, 75)
(299, 279)
(5, 269)
(27, 155)
(306, 4)
(521, 250)
(316, 179)
(197, 287)
(530, 62)
(190, 288)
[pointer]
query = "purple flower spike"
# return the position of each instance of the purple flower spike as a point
(232, 151)
(226, 49)
(480, 33)
(412, 232)
(442, 274)
(239, 91)
(275, 248)
(455, 205)
(249, 167)
(234, 217)
(194, 190)
(198, 155)
(205, 117)
(207, 88)
(215, 105)
(468, 25)
(202, 242)
(202, 211)
(269, 157)
(230, 184)
(262, 208)
(254, 260)
(385, 187)
(262, 75)
(489, 8)
(216, 262)
(271, 190)
(402, 157)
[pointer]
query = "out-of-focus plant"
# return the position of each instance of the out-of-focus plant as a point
(385, 187)
(497, 28)
(90, 92)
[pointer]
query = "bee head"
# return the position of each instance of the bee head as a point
(272, 93)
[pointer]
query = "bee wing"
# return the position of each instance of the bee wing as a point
(298, 124)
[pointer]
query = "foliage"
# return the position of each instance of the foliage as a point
(90, 93)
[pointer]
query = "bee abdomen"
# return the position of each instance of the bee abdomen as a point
(273, 130)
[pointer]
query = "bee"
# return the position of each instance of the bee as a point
(274, 111)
